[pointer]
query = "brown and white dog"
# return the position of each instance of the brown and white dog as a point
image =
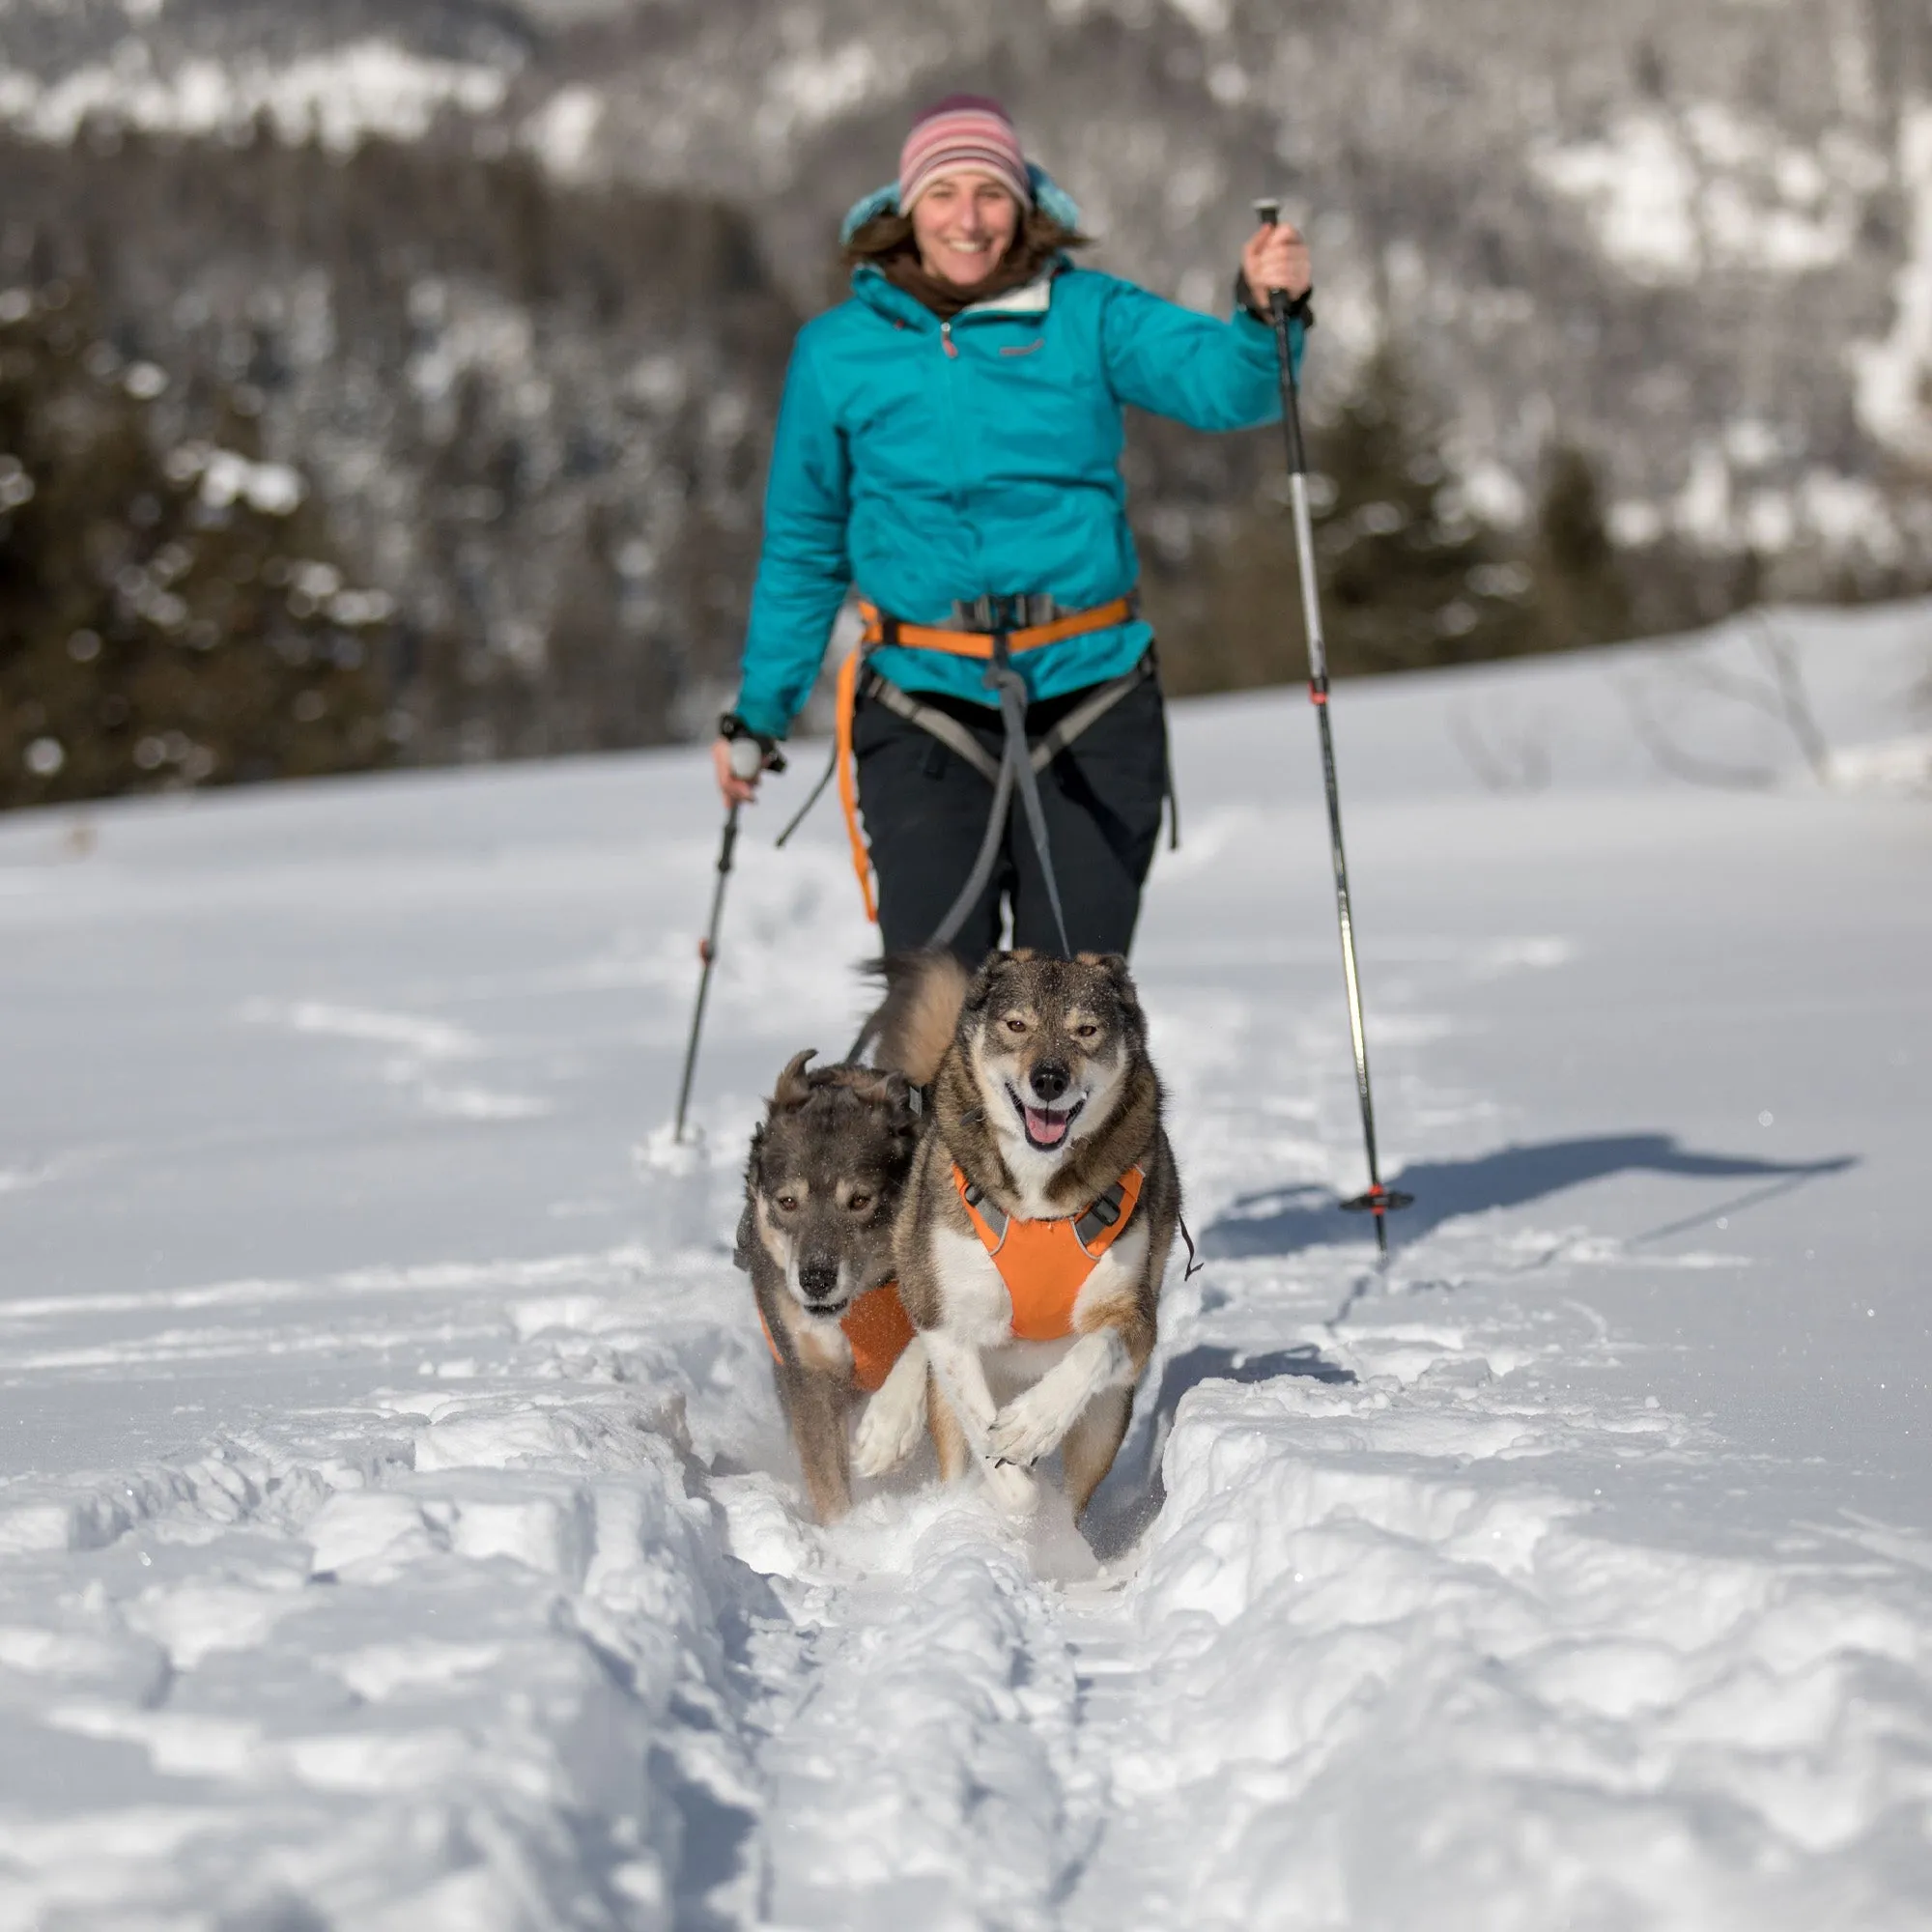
(823, 1186)
(1034, 1228)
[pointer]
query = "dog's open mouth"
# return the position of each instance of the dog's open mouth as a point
(1045, 1127)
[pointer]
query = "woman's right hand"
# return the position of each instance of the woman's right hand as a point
(732, 786)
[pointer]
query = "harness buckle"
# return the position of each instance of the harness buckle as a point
(1024, 611)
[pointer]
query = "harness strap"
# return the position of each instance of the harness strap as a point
(1083, 717)
(936, 723)
(958, 738)
(984, 861)
(1101, 1216)
(848, 783)
(878, 1329)
(989, 1211)
(1020, 762)
(894, 632)
(1001, 676)
(1046, 1263)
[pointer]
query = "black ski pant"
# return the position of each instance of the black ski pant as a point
(925, 810)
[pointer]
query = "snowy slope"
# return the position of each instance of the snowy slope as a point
(396, 1528)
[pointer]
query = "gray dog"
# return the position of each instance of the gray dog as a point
(822, 1190)
(1036, 1221)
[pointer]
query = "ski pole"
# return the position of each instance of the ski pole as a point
(1378, 1199)
(747, 758)
(707, 954)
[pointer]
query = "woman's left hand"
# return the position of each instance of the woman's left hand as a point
(1277, 258)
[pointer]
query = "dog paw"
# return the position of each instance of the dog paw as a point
(890, 1430)
(1012, 1488)
(1028, 1429)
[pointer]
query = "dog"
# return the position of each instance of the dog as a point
(1034, 1233)
(823, 1185)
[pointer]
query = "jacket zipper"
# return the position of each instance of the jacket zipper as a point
(945, 340)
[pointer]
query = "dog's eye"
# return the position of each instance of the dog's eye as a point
(1015, 1025)
(788, 1203)
(1087, 1029)
(859, 1203)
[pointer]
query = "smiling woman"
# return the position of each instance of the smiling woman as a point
(949, 447)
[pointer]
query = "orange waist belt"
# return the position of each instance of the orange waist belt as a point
(882, 630)
(878, 1328)
(1046, 1263)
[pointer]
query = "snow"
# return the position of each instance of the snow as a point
(396, 1528)
(1671, 194)
(1890, 375)
(342, 97)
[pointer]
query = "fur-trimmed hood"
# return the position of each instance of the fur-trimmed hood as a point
(1048, 196)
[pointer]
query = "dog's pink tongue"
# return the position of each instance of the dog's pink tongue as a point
(1047, 1128)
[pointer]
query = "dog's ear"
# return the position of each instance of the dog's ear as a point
(979, 993)
(1113, 968)
(901, 1095)
(793, 1090)
(754, 1160)
(877, 1086)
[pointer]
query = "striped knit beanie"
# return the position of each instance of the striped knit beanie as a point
(964, 130)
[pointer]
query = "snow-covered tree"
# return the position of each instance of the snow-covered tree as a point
(172, 611)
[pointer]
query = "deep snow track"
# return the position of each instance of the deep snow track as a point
(395, 1529)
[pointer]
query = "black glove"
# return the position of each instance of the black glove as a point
(1300, 309)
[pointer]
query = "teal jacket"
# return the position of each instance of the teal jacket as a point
(930, 463)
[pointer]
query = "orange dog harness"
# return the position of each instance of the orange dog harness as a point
(1046, 1263)
(878, 1328)
(881, 629)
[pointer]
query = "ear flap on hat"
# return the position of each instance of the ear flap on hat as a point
(1051, 199)
(881, 200)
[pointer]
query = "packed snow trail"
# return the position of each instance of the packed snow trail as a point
(397, 1528)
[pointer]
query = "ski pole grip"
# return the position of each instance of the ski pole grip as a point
(1269, 211)
(748, 759)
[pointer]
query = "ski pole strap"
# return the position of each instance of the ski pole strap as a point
(811, 798)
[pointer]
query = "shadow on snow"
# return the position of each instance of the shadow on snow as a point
(1286, 1220)
(1132, 1495)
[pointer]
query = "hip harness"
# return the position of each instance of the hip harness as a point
(1046, 1263)
(1007, 625)
(877, 1328)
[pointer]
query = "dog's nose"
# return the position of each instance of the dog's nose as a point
(818, 1279)
(1049, 1080)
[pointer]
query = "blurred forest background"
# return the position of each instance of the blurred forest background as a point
(400, 392)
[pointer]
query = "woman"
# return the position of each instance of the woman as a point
(950, 445)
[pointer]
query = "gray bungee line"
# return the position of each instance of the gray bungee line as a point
(1001, 676)
(1016, 768)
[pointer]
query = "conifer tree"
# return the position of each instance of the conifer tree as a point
(1408, 578)
(1581, 596)
(172, 616)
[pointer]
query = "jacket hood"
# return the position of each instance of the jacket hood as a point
(1049, 197)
